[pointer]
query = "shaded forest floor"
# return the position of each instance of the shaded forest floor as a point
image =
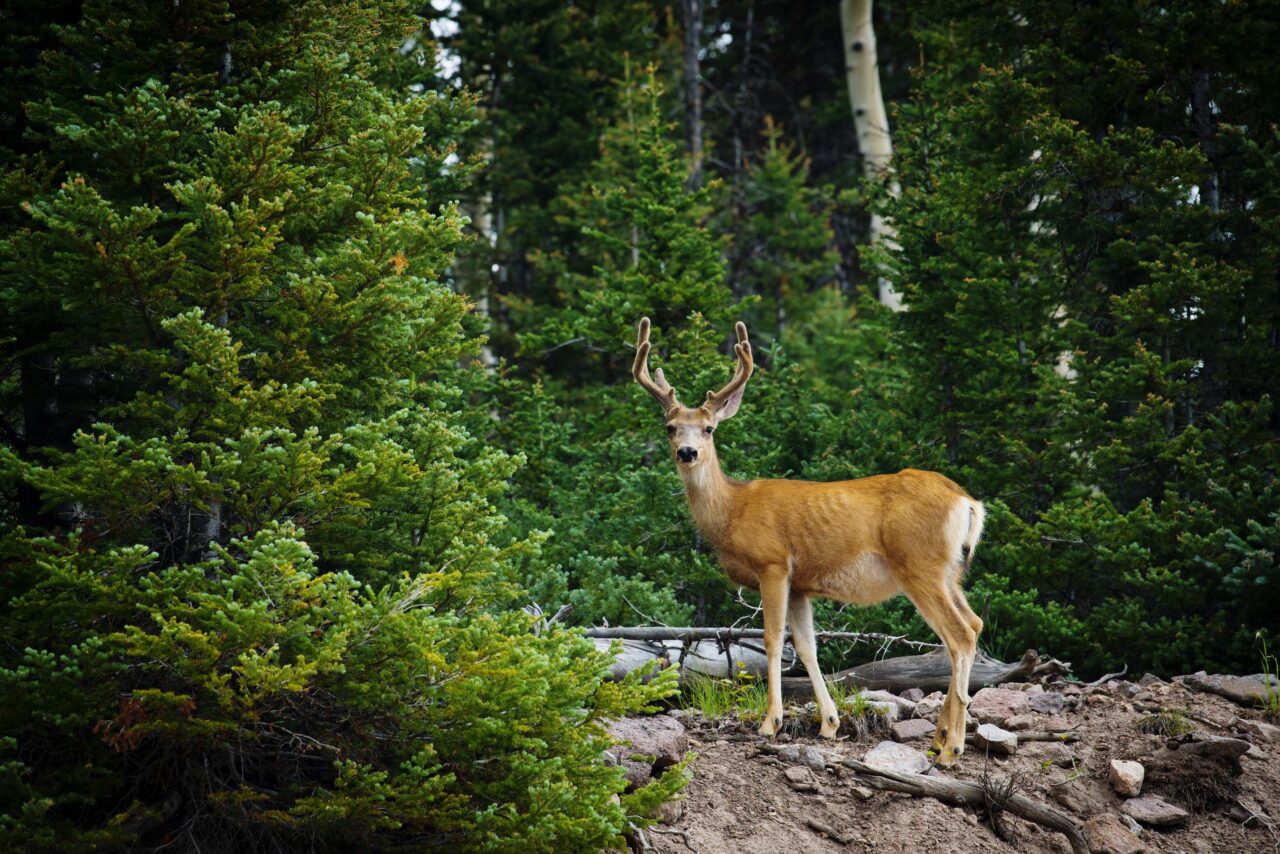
(744, 800)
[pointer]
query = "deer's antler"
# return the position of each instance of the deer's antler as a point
(661, 389)
(727, 397)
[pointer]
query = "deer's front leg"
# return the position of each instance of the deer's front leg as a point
(775, 584)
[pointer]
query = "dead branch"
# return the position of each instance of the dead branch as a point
(1102, 680)
(965, 794)
(837, 837)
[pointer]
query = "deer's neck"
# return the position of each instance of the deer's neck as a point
(711, 497)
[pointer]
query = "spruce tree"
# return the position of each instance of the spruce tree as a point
(256, 593)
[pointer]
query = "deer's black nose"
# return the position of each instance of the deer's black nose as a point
(687, 455)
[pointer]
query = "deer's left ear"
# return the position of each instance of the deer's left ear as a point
(730, 406)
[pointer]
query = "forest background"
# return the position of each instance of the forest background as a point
(316, 371)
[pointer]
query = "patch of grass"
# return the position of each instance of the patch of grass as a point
(1166, 722)
(1270, 671)
(857, 715)
(716, 698)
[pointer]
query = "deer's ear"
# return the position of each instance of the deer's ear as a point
(731, 404)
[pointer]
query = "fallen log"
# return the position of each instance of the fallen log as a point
(963, 793)
(931, 672)
(722, 652)
(726, 633)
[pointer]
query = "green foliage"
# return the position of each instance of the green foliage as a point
(256, 591)
(715, 697)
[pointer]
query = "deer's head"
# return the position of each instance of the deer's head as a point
(690, 432)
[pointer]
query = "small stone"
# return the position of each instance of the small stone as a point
(997, 705)
(905, 707)
(1148, 680)
(1126, 777)
(897, 757)
(671, 812)
(678, 714)
(1106, 834)
(929, 707)
(1123, 688)
(805, 755)
(1034, 688)
(638, 773)
(915, 695)
(1154, 812)
(915, 729)
(1256, 752)
(798, 774)
(1017, 723)
(862, 793)
(993, 739)
(1046, 704)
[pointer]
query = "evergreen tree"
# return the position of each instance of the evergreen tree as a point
(255, 589)
(1092, 333)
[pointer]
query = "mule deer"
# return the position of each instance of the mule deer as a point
(857, 541)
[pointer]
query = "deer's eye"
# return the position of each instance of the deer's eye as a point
(710, 430)
(671, 429)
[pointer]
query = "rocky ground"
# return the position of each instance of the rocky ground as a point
(1214, 788)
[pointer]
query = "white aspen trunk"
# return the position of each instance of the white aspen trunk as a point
(692, 10)
(870, 120)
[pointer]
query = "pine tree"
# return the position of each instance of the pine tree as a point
(256, 592)
(1089, 329)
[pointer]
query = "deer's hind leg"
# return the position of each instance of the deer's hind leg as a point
(933, 594)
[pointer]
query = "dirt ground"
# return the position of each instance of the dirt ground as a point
(739, 799)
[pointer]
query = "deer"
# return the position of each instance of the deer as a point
(857, 541)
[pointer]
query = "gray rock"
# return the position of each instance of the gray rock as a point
(798, 774)
(929, 707)
(997, 705)
(915, 695)
(1126, 777)
(1259, 730)
(992, 739)
(1216, 746)
(1245, 690)
(1150, 680)
(905, 707)
(1124, 688)
(671, 812)
(862, 793)
(1046, 704)
(885, 709)
(1017, 723)
(638, 773)
(897, 757)
(915, 729)
(660, 736)
(1257, 753)
(1154, 812)
(803, 754)
(1107, 834)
